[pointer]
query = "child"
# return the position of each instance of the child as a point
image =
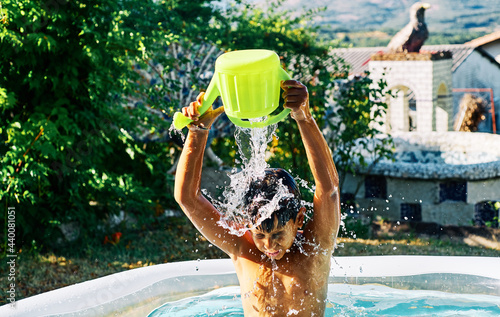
(281, 273)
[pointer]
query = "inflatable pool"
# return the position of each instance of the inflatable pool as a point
(362, 285)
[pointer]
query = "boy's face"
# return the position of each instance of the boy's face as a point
(275, 243)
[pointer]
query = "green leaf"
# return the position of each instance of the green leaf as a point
(10, 169)
(149, 165)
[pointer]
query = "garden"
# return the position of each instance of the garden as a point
(87, 93)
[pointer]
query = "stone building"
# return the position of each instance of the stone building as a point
(439, 175)
(450, 178)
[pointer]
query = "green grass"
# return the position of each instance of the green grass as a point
(177, 240)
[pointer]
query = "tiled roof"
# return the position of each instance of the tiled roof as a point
(460, 52)
(358, 57)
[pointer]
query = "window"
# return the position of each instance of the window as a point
(348, 202)
(412, 111)
(453, 190)
(375, 187)
(486, 214)
(411, 212)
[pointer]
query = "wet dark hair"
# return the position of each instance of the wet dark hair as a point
(262, 190)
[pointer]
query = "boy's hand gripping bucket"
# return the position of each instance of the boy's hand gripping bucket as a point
(248, 82)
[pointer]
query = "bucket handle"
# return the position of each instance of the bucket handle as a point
(180, 121)
(283, 75)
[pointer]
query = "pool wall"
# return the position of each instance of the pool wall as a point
(130, 293)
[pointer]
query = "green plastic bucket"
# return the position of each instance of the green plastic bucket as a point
(248, 82)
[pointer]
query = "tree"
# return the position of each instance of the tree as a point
(70, 152)
(302, 55)
(67, 149)
(355, 119)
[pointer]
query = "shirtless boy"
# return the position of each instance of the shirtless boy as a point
(281, 273)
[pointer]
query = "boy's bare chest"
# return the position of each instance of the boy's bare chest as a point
(276, 290)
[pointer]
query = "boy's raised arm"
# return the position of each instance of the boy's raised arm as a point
(197, 208)
(326, 219)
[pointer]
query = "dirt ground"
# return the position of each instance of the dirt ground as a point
(472, 236)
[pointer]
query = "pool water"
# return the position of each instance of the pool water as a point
(348, 300)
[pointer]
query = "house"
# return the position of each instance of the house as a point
(439, 175)
(474, 67)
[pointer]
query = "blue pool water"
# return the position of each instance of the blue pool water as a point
(348, 300)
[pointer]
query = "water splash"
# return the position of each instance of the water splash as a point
(252, 145)
(173, 130)
(299, 243)
(274, 267)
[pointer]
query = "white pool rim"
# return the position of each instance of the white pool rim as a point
(133, 286)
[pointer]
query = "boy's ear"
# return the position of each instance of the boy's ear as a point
(301, 216)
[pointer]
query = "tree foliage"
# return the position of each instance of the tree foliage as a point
(67, 150)
(303, 56)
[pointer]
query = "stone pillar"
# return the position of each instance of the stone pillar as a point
(425, 74)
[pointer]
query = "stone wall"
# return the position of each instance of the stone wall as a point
(441, 177)
(423, 198)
